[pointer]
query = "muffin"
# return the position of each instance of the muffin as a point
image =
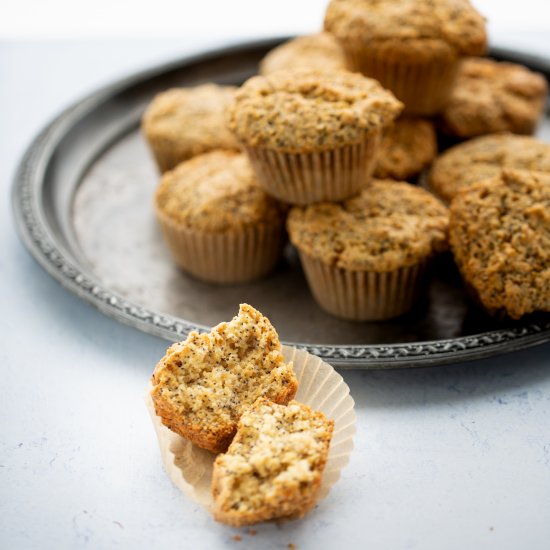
(411, 47)
(365, 258)
(218, 223)
(489, 97)
(484, 157)
(184, 122)
(203, 385)
(274, 465)
(500, 238)
(316, 51)
(312, 135)
(407, 148)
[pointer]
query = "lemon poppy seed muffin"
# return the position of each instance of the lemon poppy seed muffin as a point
(183, 122)
(412, 47)
(219, 224)
(312, 135)
(407, 147)
(500, 238)
(274, 465)
(491, 96)
(484, 157)
(365, 258)
(315, 51)
(203, 385)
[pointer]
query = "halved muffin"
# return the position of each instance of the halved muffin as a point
(273, 467)
(202, 385)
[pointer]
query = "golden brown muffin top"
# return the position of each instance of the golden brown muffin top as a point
(194, 118)
(310, 110)
(388, 226)
(483, 158)
(407, 147)
(316, 51)
(214, 192)
(500, 236)
(491, 96)
(454, 22)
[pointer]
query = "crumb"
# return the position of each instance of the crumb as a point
(237, 538)
(292, 546)
(252, 532)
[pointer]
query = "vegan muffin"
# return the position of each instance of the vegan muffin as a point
(411, 47)
(184, 122)
(312, 135)
(484, 157)
(274, 465)
(203, 385)
(218, 223)
(316, 51)
(500, 237)
(489, 97)
(365, 258)
(407, 148)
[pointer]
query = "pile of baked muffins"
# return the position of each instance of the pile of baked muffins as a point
(330, 142)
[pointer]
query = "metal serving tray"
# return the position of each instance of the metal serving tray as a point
(83, 206)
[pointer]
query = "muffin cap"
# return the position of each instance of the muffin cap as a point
(215, 192)
(500, 237)
(304, 111)
(491, 96)
(190, 121)
(364, 22)
(407, 147)
(388, 226)
(315, 51)
(484, 157)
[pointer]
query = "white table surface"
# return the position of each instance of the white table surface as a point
(446, 458)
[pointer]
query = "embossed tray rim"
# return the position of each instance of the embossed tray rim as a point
(67, 268)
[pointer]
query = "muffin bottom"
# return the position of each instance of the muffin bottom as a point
(423, 84)
(229, 257)
(364, 295)
(308, 178)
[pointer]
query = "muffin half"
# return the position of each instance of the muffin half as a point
(274, 465)
(203, 385)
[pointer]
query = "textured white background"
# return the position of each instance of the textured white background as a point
(447, 458)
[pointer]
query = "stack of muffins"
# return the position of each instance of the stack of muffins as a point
(333, 135)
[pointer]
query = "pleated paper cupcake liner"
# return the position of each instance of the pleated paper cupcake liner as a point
(364, 295)
(225, 258)
(319, 386)
(423, 86)
(308, 178)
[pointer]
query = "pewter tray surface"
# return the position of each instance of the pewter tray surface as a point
(83, 207)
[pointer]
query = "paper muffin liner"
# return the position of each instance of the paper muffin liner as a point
(227, 257)
(424, 86)
(364, 295)
(319, 386)
(307, 178)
